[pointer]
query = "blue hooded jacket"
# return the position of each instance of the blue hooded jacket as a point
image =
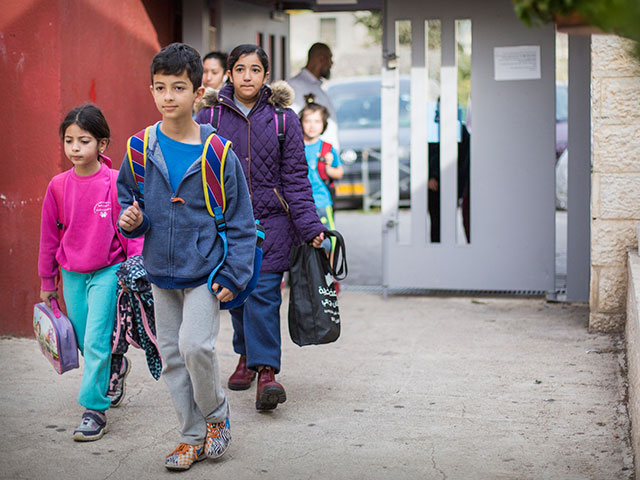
(181, 244)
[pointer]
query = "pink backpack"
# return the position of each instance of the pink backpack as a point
(55, 336)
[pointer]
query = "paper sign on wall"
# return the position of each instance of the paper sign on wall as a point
(517, 63)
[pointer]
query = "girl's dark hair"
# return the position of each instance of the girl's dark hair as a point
(177, 58)
(88, 117)
(221, 57)
(245, 49)
(311, 106)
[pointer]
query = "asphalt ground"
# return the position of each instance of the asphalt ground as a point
(415, 388)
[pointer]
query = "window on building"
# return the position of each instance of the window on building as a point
(328, 31)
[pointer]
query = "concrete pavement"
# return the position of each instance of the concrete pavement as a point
(415, 388)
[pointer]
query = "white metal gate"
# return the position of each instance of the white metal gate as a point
(512, 183)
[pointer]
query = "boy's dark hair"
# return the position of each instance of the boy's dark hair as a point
(177, 58)
(245, 49)
(311, 106)
(221, 57)
(88, 117)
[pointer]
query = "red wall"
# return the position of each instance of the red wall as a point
(54, 55)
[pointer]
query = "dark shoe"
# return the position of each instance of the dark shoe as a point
(92, 427)
(269, 392)
(117, 386)
(241, 379)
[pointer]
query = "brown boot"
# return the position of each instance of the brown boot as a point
(269, 392)
(242, 377)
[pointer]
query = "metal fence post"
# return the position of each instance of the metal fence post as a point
(366, 194)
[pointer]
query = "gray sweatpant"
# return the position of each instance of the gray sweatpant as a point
(187, 325)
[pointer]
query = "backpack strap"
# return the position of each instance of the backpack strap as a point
(325, 148)
(115, 212)
(214, 118)
(58, 189)
(281, 124)
(137, 154)
(213, 161)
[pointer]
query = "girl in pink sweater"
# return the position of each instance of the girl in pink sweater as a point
(79, 240)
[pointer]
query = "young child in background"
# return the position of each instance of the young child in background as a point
(182, 248)
(321, 156)
(80, 238)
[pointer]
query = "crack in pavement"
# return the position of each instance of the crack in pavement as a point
(135, 450)
(433, 463)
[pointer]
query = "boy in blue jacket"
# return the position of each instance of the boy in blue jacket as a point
(182, 248)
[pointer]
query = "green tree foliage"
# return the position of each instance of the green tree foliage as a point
(621, 17)
(373, 22)
(464, 77)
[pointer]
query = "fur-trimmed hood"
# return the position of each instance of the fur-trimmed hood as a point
(282, 95)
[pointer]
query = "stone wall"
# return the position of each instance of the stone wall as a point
(632, 334)
(615, 197)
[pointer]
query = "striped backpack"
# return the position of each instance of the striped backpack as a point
(214, 155)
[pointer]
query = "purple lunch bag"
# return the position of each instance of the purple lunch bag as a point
(55, 336)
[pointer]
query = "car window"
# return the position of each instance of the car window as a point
(404, 112)
(358, 112)
(358, 104)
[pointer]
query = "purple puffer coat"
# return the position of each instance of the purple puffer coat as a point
(278, 184)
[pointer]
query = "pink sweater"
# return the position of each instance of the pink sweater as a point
(91, 240)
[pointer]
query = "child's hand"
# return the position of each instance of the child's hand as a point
(224, 294)
(45, 296)
(131, 218)
(328, 158)
(317, 241)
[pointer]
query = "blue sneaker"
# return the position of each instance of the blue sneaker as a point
(92, 427)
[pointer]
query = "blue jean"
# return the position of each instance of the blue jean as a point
(256, 324)
(91, 305)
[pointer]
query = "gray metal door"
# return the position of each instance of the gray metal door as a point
(512, 182)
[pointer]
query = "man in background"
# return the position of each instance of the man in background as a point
(309, 81)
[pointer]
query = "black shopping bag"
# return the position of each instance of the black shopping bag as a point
(314, 317)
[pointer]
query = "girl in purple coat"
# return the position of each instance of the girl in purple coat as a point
(244, 111)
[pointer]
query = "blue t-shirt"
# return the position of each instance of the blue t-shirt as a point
(178, 156)
(321, 195)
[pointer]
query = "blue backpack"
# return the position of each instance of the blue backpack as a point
(212, 164)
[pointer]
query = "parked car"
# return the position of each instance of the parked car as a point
(358, 106)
